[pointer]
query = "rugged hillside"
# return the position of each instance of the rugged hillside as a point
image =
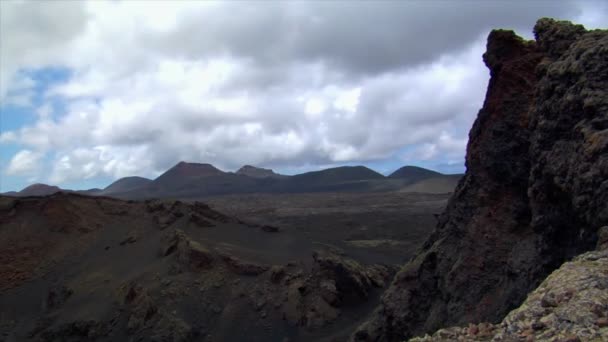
(535, 192)
(82, 268)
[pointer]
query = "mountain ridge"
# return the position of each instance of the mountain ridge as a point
(186, 179)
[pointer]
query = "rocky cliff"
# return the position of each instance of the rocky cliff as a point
(534, 194)
(570, 305)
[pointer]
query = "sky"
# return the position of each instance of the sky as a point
(98, 90)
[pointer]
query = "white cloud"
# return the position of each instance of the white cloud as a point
(446, 147)
(34, 35)
(7, 137)
(279, 84)
(24, 162)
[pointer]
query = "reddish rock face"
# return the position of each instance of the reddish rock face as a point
(534, 194)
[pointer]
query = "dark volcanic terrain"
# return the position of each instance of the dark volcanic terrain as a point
(305, 267)
(384, 227)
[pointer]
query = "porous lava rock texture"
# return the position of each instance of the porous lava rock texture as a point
(534, 195)
(570, 305)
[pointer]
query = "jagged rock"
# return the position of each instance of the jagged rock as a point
(578, 307)
(534, 194)
(292, 307)
(131, 238)
(205, 211)
(243, 267)
(351, 280)
(147, 319)
(142, 305)
(329, 292)
(319, 314)
(189, 252)
(313, 300)
(168, 213)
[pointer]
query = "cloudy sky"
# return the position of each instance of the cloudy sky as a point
(93, 91)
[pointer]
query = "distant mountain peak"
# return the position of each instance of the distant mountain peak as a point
(183, 172)
(256, 172)
(39, 189)
(196, 168)
(126, 184)
(414, 173)
(183, 164)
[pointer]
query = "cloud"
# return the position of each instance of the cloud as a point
(280, 84)
(171, 115)
(34, 35)
(25, 162)
(8, 137)
(448, 147)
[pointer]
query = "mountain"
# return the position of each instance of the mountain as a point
(126, 184)
(413, 174)
(195, 180)
(344, 178)
(39, 189)
(534, 195)
(184, 172)
(191, 180)
(184, 175)
(256, 172)
(337, 175)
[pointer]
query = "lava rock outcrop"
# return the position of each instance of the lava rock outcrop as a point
(570, 305)
(535, 192)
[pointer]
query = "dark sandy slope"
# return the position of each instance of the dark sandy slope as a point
(75, 268)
